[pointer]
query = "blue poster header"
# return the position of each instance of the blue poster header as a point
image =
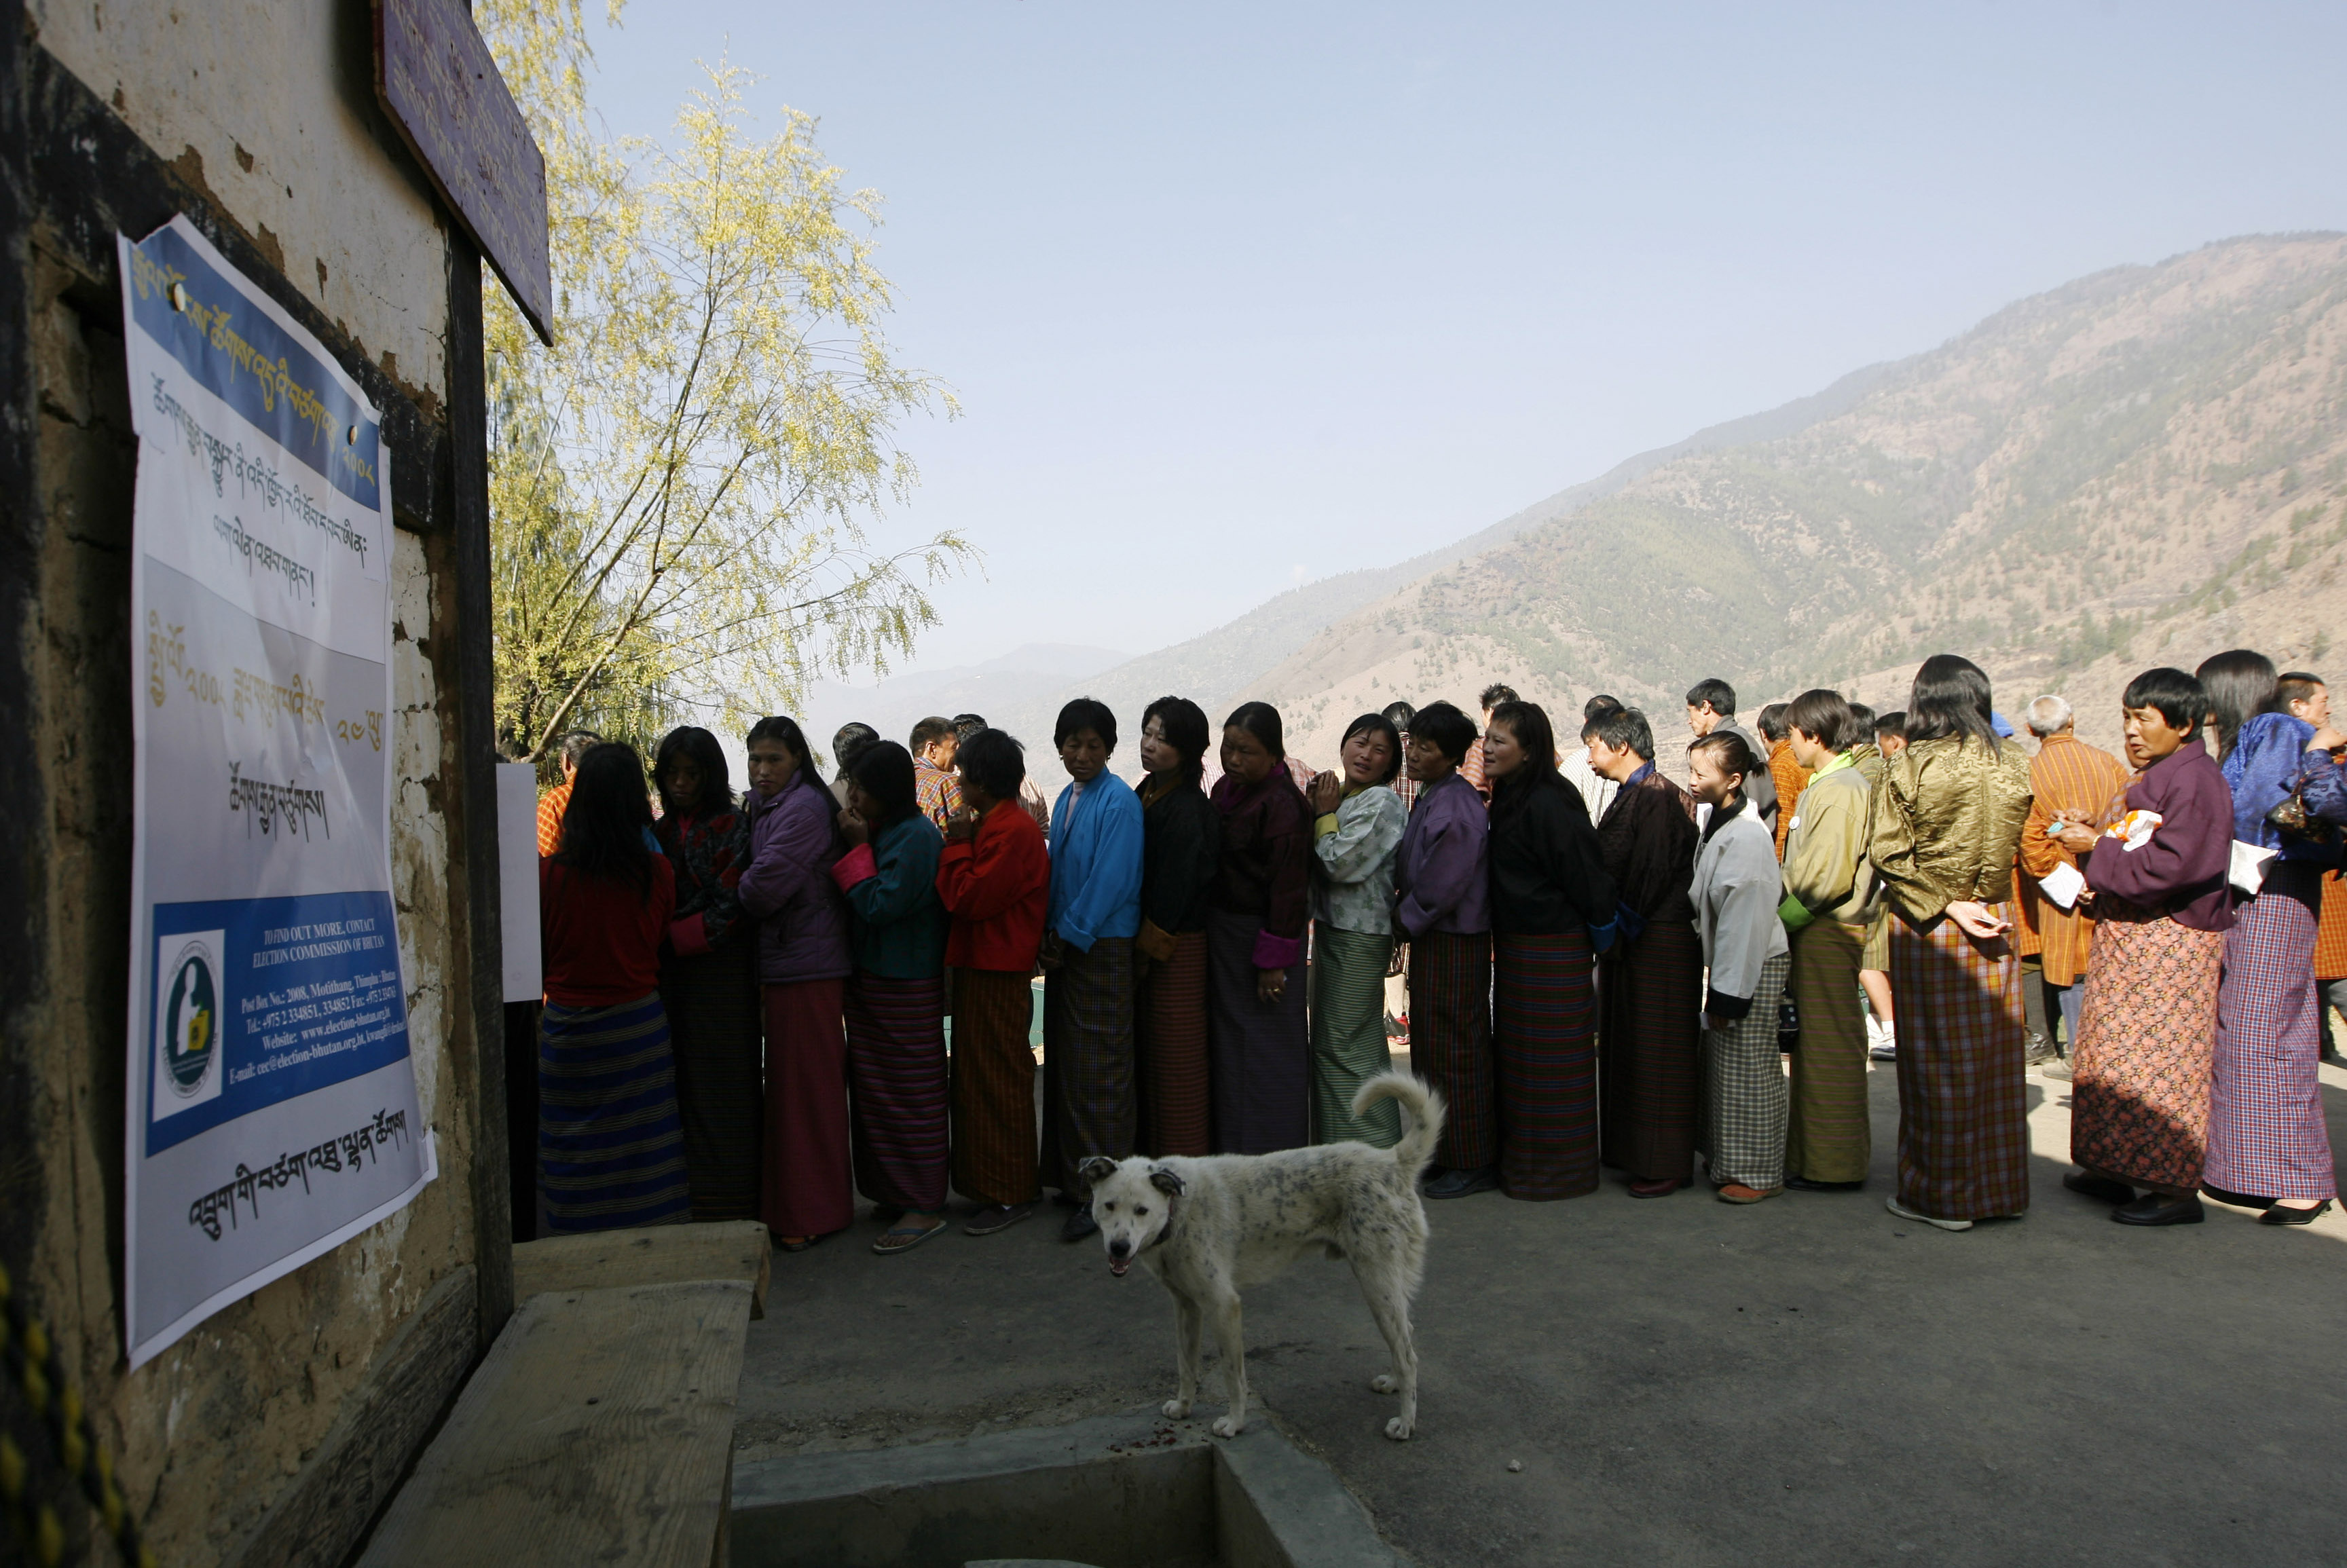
(240, 354)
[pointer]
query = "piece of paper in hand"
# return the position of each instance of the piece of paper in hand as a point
(2249, 868)
(2063, 885)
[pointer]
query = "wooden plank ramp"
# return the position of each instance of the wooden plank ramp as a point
(600, 1428)
(720, 1249)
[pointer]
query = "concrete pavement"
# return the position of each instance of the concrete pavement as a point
(1683, 1381)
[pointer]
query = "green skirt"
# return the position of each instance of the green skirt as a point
(1348, 1035)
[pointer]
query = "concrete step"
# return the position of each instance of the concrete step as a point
(723, 1249)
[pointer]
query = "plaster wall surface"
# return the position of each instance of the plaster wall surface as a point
(247, 102)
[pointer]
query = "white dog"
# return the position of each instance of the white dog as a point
(1206, 1227)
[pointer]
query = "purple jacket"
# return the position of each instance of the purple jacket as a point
(1441, 871)
(802, 916)
(2180, 870)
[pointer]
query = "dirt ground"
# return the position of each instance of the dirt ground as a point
(1684, 1382)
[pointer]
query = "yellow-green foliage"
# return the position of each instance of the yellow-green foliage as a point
(680, 487)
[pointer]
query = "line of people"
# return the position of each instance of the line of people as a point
(749, 1001)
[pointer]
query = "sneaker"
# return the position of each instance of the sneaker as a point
(1886, 1049)
(1080, 1223)
(2056, 1068)
(996, 1217)
(2040, 1049)
(1904, 1213)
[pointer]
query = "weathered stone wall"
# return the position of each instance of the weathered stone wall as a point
(268, 111)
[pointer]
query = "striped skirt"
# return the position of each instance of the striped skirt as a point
(1450, 1043)
(1544, 1041)
(1652, 1001)
(897, 1088)
(993, 1073)
(1828, 1135)
(1261, 1056)
(2139, 1098)
(610, 1150)
(713, 1028)
(1348, 1035)
(1170, 1052)
(2266, 1133)
(807, 1189)
(1963, 1129)
(1087, 1061)
(1742, 1134)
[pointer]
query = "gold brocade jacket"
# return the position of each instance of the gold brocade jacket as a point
(1946, 825)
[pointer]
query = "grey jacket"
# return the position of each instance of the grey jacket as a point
(1736, 890)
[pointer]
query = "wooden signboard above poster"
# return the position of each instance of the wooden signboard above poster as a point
(441, 88)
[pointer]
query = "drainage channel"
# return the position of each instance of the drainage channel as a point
(1115, 1491)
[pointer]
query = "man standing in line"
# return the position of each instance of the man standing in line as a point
(1711, 705)
(1784, 771)
(1596, 790)
(1471, 770)
(555, 801)
(2077, 783)
(934, 744)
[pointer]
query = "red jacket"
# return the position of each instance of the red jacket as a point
(998, 887)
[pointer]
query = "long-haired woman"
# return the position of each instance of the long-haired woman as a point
(1357, 828)
(1254, 943)
(896, 998)
(709, 975)
(1443, 907)
(803, 969)
(1553, 905)
(1947, 824)
(2267, 1145)
(1182, 837)
(610, 1150)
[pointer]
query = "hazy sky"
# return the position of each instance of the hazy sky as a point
(1235, 295)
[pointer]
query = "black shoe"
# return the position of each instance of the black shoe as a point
(1079, 1224)
(1803, 1184)
(2103, 1189)
(1460, 1183)
(2279, 1216)
(2159, 1209)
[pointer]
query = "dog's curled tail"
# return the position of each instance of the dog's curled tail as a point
(1422, 1115)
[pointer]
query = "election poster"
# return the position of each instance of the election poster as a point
(271, 1100)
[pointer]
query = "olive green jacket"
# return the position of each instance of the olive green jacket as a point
(1946, 824)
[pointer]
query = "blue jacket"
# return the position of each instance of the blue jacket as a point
(1096, 844)
(2268, 759)
(892, 885)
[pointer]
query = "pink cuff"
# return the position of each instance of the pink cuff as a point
(1276, 952)
(689, 935)
(855, 865)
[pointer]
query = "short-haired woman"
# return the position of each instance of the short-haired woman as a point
(1947, 825)
(1553, 906)
(709, 975)
(1357, 827)
(1736, 890)
(1652, 978)
(802, 967)
(994, 880)
(1828, 897)
(1254, 943)
(896, 998)
(2268, 1144)
(610, 1150)
(1442, 888)
(1095, 913)
(2155, 864)
(1181, 844)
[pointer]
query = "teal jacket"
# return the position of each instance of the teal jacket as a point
(892, 886)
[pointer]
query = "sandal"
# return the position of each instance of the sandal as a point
(908, 1236)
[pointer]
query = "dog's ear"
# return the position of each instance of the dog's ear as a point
(1167, 1182)
(1098, 1168)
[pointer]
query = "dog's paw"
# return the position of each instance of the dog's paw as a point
(1386, 1383)
(1224, 1427)
(1175, 1410)
(1399, 1430)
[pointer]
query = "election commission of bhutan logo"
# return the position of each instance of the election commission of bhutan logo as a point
(192, 1021)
